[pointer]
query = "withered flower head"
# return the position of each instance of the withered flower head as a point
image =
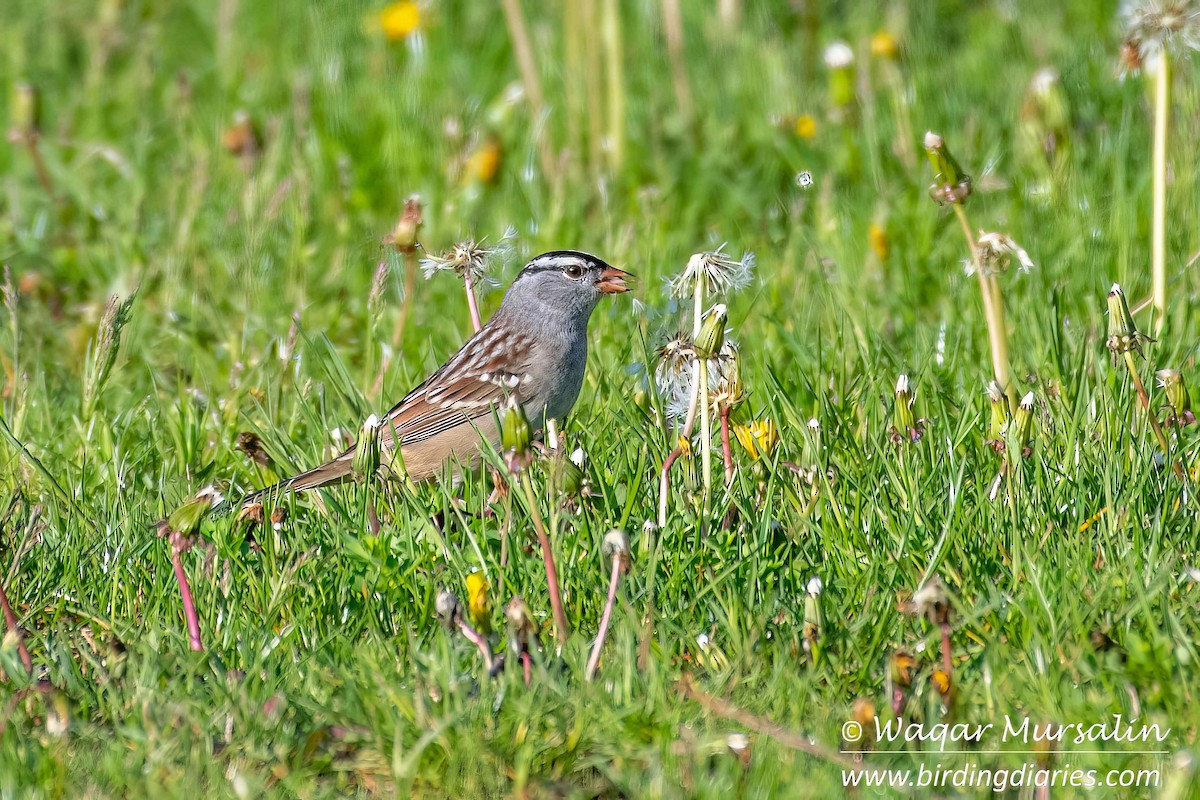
(252, 446)
(404, 236)
(447, 608)
(996, 252)
(931, 602)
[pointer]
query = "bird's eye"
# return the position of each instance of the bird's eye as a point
(574, 272)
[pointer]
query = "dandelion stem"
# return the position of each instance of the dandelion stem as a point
(472, 303)
(947, 661)
(476, 638)
(410, 286)
(705, 430)
(614, 579)
(701, 381)
(14, 628)
(993, 309)
(556, 605)
(39, 167)
(726, 453)
(1159, 228)
(1144, 398)
(189, 606)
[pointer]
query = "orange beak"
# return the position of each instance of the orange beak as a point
(613, 281)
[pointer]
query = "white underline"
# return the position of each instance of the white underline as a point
(1012, 752)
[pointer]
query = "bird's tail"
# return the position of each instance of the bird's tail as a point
(331, 472)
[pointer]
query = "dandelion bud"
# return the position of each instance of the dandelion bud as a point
(23, 114)
(731, 390)
(447, 608)
(1020, 434)
(950, 184)
(1001, 416)
(1123, 334)
(902, 413)
(515, 434)
(1180, 403)
(813, 447)
(365, 465)
(712, 332)
(186, 519)
(811, 631)
(404, 236)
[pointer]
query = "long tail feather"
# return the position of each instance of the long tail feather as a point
(331, 472)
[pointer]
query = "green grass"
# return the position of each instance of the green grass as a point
(325, 672)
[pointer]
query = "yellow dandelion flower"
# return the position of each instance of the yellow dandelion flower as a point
(885, 45)
(484, 164)
(877, 236)
(758, 438)
(400, 20)
(806, 127)
(479, 605)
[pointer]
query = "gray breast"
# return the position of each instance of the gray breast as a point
(565, 378)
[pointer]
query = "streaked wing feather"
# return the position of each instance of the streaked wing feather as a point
(476, 379)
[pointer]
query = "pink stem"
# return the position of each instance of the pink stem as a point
(11, 619)
(472, 303)
(527, 667)
(476, 638)
(189, 606)
(594, 658)
(725, 451)
(946, 663)
(664, 485)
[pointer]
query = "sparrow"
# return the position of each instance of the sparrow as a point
(533, 352)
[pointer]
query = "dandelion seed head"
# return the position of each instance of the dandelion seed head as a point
(1152, 25)
(838, 55)
(470, 257)
(721, 273)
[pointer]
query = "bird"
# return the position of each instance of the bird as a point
(532, 352)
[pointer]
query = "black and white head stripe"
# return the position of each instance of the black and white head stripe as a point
(558, 260)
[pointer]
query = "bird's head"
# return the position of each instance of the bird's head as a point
(567, 280)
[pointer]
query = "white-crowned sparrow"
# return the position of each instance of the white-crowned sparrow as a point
(532, 351)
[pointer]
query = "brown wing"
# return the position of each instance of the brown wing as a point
(490, 369)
